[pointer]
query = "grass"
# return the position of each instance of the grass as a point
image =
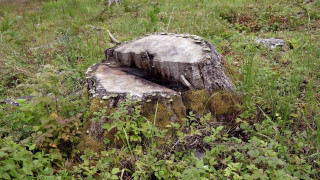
(280, 89)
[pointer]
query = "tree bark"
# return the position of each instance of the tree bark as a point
(180, 72)
(185, 60)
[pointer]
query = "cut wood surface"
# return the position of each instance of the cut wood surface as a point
(157, 65)
(108, 81)
(185, 60)
(168, 73)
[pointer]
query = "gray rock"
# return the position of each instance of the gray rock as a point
(307, 1)
(271, 43)
(300, 13)
(14, 101)
(113, 1)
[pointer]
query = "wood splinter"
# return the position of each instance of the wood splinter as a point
(113, 39)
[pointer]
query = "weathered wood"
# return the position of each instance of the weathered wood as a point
(187, 60)
(113, 39)
(109, 85)
(111, 81)
(158, 66)
(179, 72)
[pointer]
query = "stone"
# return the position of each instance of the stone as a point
(14, 101)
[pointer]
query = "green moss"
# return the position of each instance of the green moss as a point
(89, 142)
(85, 92)
(195, 101)
(179, 109)
(163, 114)
(166, 113)
(222, 102)
(110, 135)
(219, 102)
(97, 104)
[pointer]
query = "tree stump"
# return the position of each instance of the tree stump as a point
(179, 71)
(181, 60)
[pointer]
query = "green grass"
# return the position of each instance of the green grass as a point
(280, 111)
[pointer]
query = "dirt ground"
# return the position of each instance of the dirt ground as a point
(19, 6)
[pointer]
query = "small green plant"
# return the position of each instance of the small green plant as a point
(130, 6)
(151, 25)
(214, 136)
(6, 24)
(131, 127)
(49, 117)
(56, 134)
(276, 136)
(19, 163)
(93, 163)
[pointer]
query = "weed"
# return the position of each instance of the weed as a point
(127, 124)
(47, 46)
(153, 15)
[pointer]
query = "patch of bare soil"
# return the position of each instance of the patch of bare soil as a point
(15, 2)
(20, 6)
